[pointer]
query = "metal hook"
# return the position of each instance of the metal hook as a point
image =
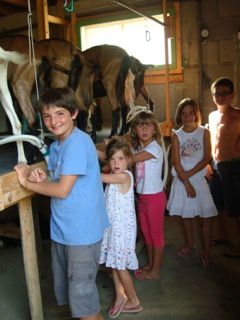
(148, 35)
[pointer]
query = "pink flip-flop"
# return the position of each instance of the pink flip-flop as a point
(115, 311)
(184, 252)
(135, 309)
(137, 274)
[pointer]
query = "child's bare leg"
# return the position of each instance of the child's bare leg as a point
(207, 230)
(188, 228)
(150, 254)
(154, 272)
(157, 262)
(120, 298)
(223, 216)
(234, 238)
(233, 225)
(129, 289)
(119, 289)
(188, 233)
(220, 224)
(97, 316)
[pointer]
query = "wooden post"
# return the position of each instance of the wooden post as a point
(30, 258)
(43, 20)
(166, 125)
(73, 36)
(12, 193)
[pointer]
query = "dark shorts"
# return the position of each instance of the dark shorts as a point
(216, 189)
(229, 172)
(74, 273)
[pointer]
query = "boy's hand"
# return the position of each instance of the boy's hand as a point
(209, 174)
(23, 171)
(37, 175)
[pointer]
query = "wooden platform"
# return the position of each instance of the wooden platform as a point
(12, 193)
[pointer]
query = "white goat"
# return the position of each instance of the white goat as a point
(7, 103)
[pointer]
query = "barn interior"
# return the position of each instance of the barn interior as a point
(203, 44)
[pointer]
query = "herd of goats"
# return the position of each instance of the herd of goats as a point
(100, 71)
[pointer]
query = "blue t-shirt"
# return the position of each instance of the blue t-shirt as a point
(80, 218)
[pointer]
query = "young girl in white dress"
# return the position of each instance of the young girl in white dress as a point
(118, 246)
(190, 195)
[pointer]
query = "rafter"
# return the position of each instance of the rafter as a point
(20, 3)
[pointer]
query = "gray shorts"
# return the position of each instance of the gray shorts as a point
(74, 274)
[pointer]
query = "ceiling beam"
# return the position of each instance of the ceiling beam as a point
(19, 3)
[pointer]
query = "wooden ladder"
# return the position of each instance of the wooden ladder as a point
(44, 19)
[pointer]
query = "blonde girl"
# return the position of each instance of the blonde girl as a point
(190, 195)
(148, 159)
(118, 246)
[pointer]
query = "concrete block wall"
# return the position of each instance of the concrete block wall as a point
(203, 60)
(220, 51)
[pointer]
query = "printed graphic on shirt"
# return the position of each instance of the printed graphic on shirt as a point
(140, 173)
(190, 146)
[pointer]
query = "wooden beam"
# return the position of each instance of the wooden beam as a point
(19, 3)
(151, 78)
(72, 26)
(57, 20)
(6, 11)
(145, 15)
(10, 190)
(12, 193)
(42, 19)
(10, 231)
(167, 125)
(30, 258)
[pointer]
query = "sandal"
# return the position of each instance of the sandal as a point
(185, 251)
(204, 261)
(218, 242)
(135, 309)
(138, 274)
(232, 254)
(115, 310)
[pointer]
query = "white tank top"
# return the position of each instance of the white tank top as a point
(191, 149)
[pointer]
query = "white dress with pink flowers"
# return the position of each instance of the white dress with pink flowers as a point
(191, 152)
(119, 240)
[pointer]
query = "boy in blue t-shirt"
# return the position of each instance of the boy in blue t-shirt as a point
(78, 216)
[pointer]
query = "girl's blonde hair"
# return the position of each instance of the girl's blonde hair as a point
(182, 104)
(118, 144)
(144, 117)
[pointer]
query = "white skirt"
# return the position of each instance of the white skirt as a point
(181, 205)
